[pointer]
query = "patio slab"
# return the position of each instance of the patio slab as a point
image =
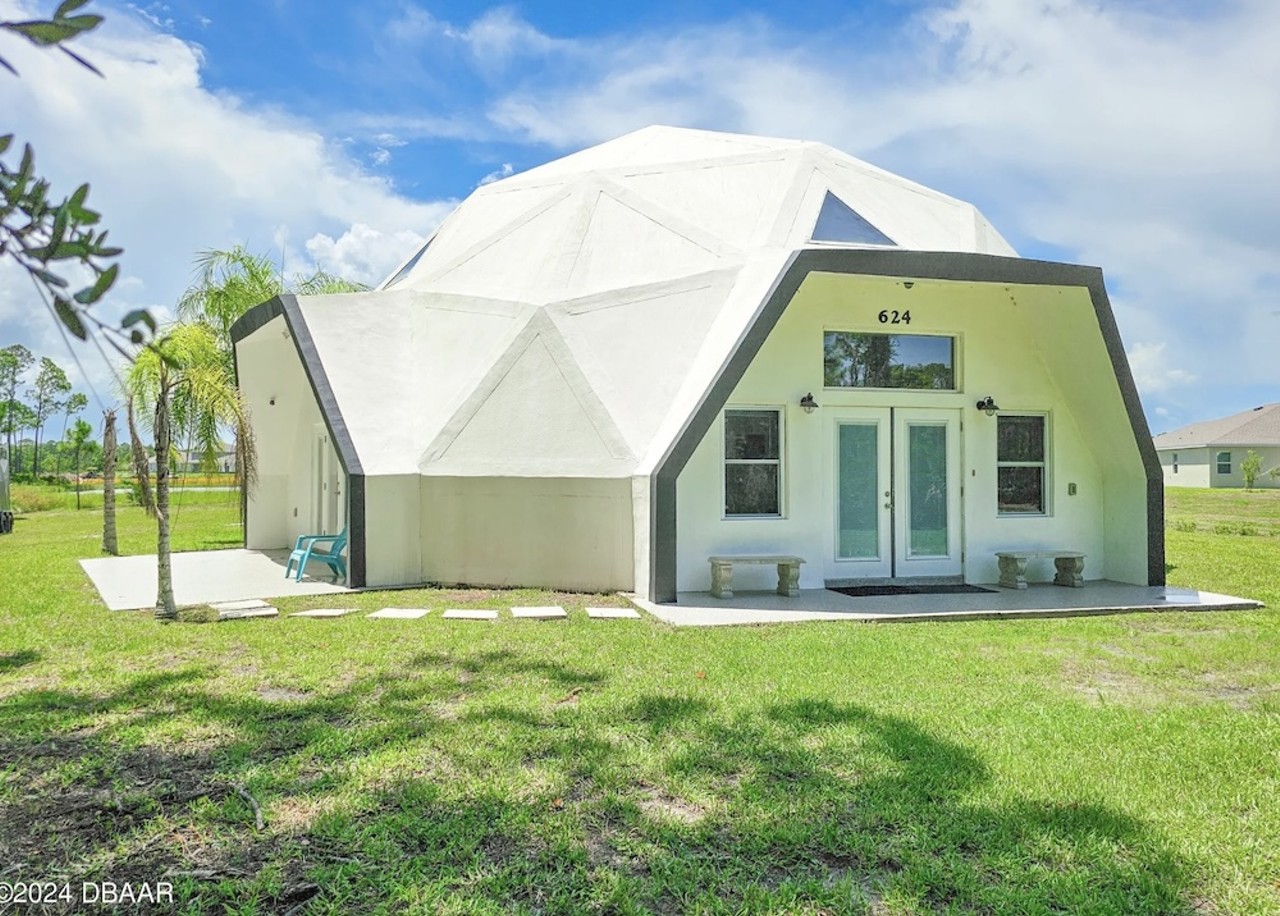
(201, 577)
(326, 612)
(457, 614)
(613, 613)
(700, 609)
(539, 613)
(400, 613)
(248, 613)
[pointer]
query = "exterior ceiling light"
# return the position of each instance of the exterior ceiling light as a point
(988, 406)
(808, 404)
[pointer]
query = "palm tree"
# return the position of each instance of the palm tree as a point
(180, 381)
(228, 284)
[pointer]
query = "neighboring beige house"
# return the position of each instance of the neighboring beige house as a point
(1209, 454)
(679, 344)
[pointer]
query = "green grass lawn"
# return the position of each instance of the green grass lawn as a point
(1126, 764)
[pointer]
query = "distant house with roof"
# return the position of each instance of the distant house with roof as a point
(1209, 454)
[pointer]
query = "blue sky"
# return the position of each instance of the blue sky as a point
(1139, 136)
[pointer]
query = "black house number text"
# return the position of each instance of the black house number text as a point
(893, 316)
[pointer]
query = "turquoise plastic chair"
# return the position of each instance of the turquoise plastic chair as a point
(326, 548)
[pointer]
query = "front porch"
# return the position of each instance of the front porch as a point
(1037, 600)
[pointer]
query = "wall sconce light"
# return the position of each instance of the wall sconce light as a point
(988, 406)
(808, 404)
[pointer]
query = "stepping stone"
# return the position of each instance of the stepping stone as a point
(325, 612)
(246, 605)
(401, 613)
(539, 613)
(247, 612)
(456, 614)
(613, 613)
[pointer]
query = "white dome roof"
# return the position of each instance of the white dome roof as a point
(665, 202)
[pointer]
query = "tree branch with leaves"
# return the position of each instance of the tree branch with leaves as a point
(44, 235)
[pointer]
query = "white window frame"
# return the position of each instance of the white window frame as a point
(1218, 463)
(780, 461)
(1045, 465)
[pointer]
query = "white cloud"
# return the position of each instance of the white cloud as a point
(499, 37)
(176, 169)
(506, 171)
(1152, 370)
(363, 254)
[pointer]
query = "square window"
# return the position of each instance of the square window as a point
(1020, 489)
(752, 463)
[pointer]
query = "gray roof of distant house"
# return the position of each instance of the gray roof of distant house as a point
(1257, 427)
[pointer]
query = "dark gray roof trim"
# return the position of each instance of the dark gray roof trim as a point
(287, 305)
(916, 265)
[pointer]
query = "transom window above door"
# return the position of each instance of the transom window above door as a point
(857, 359)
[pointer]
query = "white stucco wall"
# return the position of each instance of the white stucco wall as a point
(1193, 467)
(393, 530)
(573, 533)
(1033, 349)
(270, 369)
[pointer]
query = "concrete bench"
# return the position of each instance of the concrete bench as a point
(788, 573)
(1013, 567)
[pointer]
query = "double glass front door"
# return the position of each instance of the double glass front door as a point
(896, 493)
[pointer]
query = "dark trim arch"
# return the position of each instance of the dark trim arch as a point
(921, 265)
(287, 305)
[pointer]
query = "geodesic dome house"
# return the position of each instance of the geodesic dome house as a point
(600, 372)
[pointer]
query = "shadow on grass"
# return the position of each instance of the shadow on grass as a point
(14, 660)
(501, 781)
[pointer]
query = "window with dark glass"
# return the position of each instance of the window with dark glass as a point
(838, 222)
(1020, 464)
(1224, 462)
(752, 462)
(859, 360)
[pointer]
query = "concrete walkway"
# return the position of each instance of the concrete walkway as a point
(700, 609)
(202, 577)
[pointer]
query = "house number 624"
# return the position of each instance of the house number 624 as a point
(893, 316)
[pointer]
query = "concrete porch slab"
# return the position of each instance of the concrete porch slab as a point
(700, 609)
(201, 577)
(326, 612)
